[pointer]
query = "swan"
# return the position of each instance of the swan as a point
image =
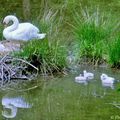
(81, 79)
(107, 81)
(13, 104)
(88, 75)
(20, 31)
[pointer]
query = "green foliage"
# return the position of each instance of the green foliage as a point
(48, 56)
(1, 32)
(114, 52)
(93, 33)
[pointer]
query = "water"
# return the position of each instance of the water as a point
(60, 98)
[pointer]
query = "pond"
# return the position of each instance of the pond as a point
(61, 98)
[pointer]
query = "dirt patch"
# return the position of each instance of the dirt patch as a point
(9, 46)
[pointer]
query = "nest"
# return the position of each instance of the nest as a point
(15, 69)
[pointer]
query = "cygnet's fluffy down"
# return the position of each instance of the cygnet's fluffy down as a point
(88, 75)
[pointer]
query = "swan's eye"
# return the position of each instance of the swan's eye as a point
(10, 23)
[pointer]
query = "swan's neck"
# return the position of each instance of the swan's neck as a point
(7, 31)
(14, 26)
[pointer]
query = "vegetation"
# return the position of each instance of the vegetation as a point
(114, 52)
(94, 33)
(50, 53)
(48, 56)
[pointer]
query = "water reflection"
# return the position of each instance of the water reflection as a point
(107, 81)
(13, 104)
(108, 85)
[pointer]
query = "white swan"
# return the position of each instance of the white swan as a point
(88, 75)
(20, 31)
(13, 104)
(81, 79)
(107, 81)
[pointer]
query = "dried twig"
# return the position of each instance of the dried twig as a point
(15, 68)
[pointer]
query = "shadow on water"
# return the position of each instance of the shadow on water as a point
(61, 98)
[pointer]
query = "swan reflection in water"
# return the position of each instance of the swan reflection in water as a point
(13, 104)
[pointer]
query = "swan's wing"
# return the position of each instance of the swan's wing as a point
(27, 26)
(25, 31)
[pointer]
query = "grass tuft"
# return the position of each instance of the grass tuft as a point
(48, 56)
(92, 33)
(114, 52)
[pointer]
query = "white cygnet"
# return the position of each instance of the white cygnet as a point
(88, 75)
(81, 79)
(107, 81)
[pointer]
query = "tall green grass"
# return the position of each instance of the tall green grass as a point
(48, 56)
(93, 33)
(1, 32)
(114, 52)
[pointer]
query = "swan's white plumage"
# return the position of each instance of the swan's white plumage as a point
(20, 31)
(106, 79)
(81, 79)
(88, 75)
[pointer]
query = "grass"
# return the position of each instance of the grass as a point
(1, 32)
(114, 52)
(93, 34)
(48, 56)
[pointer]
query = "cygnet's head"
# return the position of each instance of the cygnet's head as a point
(103, 76)
(84, 71)
(9, 18)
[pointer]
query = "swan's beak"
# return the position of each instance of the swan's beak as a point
(5, 25)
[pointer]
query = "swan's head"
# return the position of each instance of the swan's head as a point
(9, 18)
(84, 71)
(103, 76)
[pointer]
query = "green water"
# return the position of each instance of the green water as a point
(60, 98)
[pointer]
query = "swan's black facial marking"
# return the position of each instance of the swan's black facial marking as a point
(7, 22)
